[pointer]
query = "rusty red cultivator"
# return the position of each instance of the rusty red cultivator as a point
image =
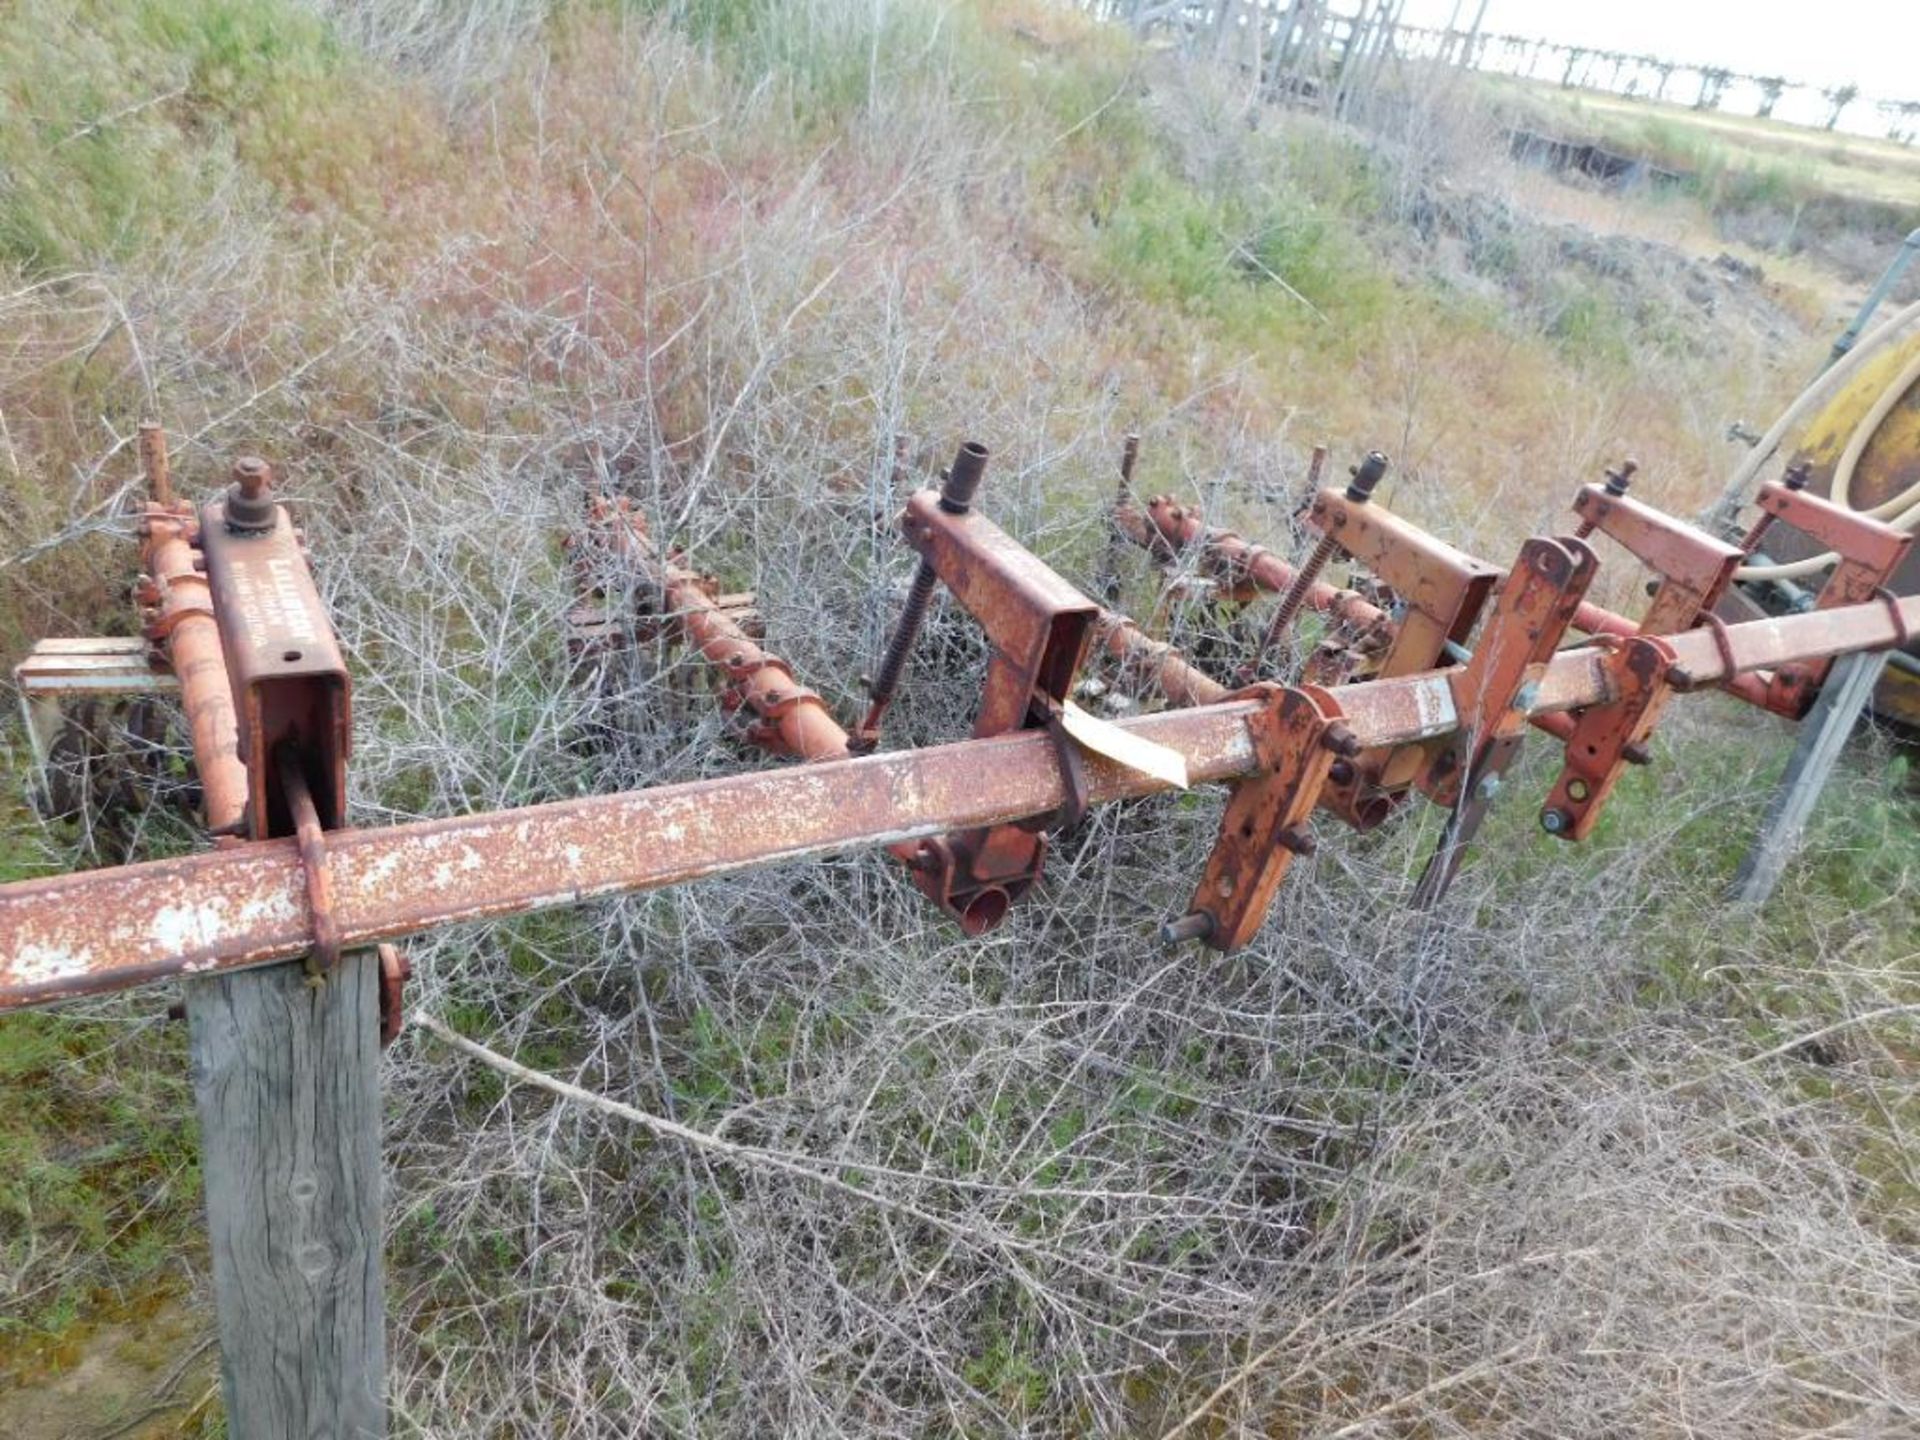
(1428, 681)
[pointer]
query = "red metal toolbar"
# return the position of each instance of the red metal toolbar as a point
(109, 929)
(968, 818)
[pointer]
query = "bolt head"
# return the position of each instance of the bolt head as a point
(249, 499)
(1488, 787)
(1554, 821)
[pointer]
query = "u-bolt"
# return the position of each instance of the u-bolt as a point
(957, 489)
(1360, 487)
(1617, 483)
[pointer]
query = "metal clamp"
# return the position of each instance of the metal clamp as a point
(1902, 636)
(395, 971)
(315, 864)
(1722, 642)
(1073, 769)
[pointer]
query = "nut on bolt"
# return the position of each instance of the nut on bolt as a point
(250, 508)
(1365, 476)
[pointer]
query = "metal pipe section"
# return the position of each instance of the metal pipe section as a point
(153, 463)
(108, 929)
(177, 608)
(1168, 528)
(1875, 298)
(1147, 663)
(795, 720)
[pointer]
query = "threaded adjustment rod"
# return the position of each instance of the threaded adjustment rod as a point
(1798, 476)
(1364, 478)
(1618, 482)
(957, 489)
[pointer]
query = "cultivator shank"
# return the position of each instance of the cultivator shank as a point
(1428, 683)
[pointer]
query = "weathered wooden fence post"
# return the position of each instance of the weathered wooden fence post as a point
(285, 1060)
(286, 1078)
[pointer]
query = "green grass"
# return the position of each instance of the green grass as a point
(1735, 160)
(125, 121)
(100, 1171)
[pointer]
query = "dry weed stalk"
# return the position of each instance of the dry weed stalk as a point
(1504, 1170)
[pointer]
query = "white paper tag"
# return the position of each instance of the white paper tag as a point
(1123, 747)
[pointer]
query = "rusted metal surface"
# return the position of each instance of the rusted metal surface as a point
(1443, 588)
(1605, 737)
(1495, 691)
(957, 489)
(1039, 628)
(176, 609)
(154, 465)
(1168, 528)
(1037, 624)
(1147, 663)
(1366, 476)
(315, 863)
(1871, 552)
(789, 718)
(1888, 465)
(1618, 483)
(289, 679)
(1297, 739)
(1695, 569)
(107, 929)
(966, 815)
(396, 969)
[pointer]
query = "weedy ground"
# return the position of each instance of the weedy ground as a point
(1585, 1152)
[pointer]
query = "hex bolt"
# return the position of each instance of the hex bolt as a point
(957, 490)
(1341, 772)
(1298, 839)
(250, 508)
(1194, 925)
(1618, 482)
(1341, 741)
(1488, 787)
(1555, 821)
(1365, 477)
